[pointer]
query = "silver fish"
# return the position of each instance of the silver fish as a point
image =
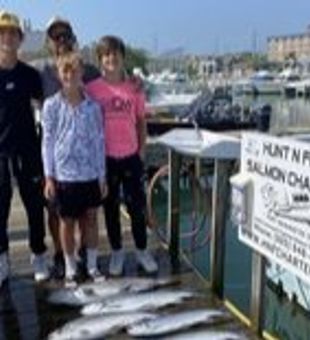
(134, 302)
(208, 335)
(92, 292)
(174, 322)
(93, 327)
(80, 296)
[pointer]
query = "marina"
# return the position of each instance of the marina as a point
(285, 299)
(285, 295)
(185, 129)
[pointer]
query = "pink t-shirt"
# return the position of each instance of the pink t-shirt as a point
(122, 105)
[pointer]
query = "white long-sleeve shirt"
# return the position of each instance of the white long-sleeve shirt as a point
(73, 140)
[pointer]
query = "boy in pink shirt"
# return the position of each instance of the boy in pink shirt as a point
(125, 135)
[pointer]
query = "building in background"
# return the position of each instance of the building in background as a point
(286, 47)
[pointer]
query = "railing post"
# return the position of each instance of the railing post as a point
(220, 206)
(257, 292)
(174, 160)
(196, 193)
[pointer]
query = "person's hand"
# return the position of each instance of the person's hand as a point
(49, 189)
(103, 189)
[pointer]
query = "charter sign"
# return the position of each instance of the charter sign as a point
(279, 199)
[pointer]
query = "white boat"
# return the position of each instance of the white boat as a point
(297, 88)
(167, 77)
(169, 91)
(166, 101)
(261, 82)
(288, 75)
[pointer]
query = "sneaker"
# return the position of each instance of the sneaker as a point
(71, 270)
(58, 269)
(71, 281)
(116, 264)
(4, 268)
(40, 267)
(95, 275)
(146, 261)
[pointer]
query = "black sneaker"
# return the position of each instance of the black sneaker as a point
(58, 269)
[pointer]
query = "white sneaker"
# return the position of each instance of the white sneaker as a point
(71, 280)
(116, 264)
(40, 267)
(95, 275)
(4, 267)
(146, 260)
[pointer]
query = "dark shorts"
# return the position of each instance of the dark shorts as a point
(74, 198)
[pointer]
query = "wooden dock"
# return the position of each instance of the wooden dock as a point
(25, 313)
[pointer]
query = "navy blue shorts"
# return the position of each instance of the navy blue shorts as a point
(74, 198)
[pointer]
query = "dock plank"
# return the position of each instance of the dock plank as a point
(25, 313)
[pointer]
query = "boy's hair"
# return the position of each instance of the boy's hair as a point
(110, 43)
(70, 60)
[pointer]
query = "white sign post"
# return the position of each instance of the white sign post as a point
(279, 225)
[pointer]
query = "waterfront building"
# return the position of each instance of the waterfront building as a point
(291, 46)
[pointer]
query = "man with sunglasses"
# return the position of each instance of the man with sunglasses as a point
(60, 39)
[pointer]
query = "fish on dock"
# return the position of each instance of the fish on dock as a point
(135, 302)
(207, 335)
(171, 323)
(80, 296)
(91, 292)
(94, 327)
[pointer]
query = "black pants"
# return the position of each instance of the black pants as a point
(30, 191)
(128, 173)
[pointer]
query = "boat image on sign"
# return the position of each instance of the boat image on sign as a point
(287, 205)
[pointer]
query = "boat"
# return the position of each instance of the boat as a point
(215, 112)
(262, 82)
(169, 91)
(162, 101)
(297, 88)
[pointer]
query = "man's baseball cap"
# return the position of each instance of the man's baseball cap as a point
(57, 21)
(10, 20)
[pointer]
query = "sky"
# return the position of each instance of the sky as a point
(159, 26)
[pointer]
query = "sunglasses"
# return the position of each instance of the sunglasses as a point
(58, 36)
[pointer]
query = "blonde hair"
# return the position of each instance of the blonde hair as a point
(70, 60)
